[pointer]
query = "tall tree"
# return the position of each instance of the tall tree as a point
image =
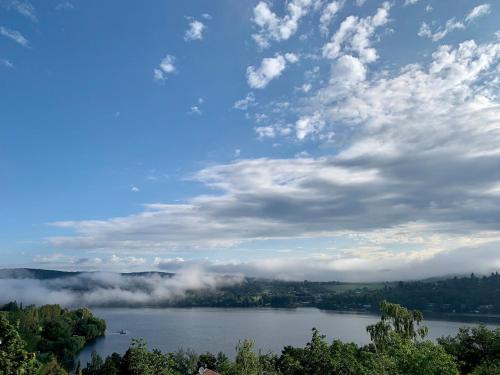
(14, 358)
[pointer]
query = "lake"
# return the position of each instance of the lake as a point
(218, 329)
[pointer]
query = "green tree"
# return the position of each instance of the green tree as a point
(291, 361)
(94, 367)
(472, 347)
(185, 362)
(111, 365)
(223, 364)
(396, 322)
(14, 358)
(487, 368)
(317, 355)
(247, 361)
(399, 336)
(53, 368)
(421, 358)
(138, 361)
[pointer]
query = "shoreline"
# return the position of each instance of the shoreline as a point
(435, 316)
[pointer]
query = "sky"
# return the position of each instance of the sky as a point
(307, 139)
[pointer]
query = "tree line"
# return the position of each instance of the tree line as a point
(466, 295)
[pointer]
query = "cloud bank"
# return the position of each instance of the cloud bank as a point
(110, 289)
(365, 264)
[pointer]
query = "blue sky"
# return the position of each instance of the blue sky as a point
(298, 139)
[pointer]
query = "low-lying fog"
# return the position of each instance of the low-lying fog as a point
(110, 289)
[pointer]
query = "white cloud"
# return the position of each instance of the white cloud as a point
(291, 57)
(24, 8)
(425, 30)
(410, 2)
(246, 102)
(195, 110)
(354, 36)
(195, 31)
(165, 68)
(272, 27)
(452, 24)
(365, 263)
(307, 125)
(65, 5)
(417, 100)
(478, 11)
(55, 258)
(306, 87)
(329, 12)
(135, 189)
(6, 63)
(347, 70)
(16, 36)
(270, 68)
(167, 64)
(114, 261)
(265, 132)
(126, 261)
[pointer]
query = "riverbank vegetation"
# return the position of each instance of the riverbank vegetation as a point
(36, 340)
(41, 338)
(460, 295)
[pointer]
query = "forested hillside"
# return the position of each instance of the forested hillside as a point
(456, 295)
(53, 333)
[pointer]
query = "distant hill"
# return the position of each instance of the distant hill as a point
(41, 274)
(33, 273)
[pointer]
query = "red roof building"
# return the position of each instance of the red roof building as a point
(208, 372)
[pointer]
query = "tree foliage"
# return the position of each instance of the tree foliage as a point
(54, 333)
(14, 358)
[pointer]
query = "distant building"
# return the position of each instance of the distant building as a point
(206, 371)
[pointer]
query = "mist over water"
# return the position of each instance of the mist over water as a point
(110, 289)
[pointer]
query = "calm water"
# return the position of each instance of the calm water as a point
(216, 329)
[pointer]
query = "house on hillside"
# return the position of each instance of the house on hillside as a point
(206, 371)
